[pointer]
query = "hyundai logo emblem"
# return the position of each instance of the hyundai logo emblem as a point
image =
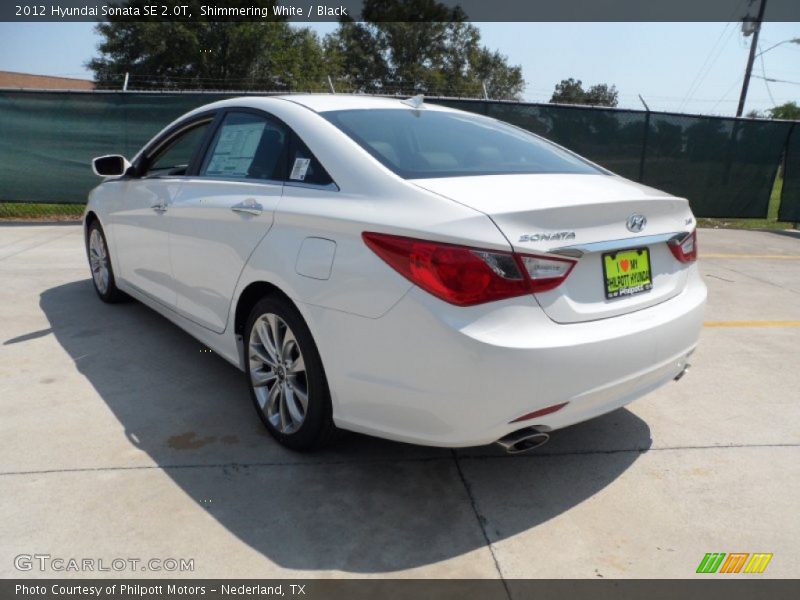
(636, 222)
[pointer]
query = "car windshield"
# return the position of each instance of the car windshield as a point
(417, 144)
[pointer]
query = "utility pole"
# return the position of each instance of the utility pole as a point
(753, 45)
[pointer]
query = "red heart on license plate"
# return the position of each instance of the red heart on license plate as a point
(624, 264)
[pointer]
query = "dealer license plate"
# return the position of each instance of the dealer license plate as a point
(627, 272)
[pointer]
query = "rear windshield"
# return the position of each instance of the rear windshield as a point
(417, 144)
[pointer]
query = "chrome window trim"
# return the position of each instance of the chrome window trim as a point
(219, 179)
(328, 187)
(164, 176)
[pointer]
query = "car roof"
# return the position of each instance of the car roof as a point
(325, 102)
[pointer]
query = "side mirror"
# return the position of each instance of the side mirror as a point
(111, 165)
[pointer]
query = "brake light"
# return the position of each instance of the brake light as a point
(467, 276)
(684, 248)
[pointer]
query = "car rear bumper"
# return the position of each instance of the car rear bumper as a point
(430, 373)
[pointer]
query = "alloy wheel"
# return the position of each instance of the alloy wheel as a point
(278, 373)
(98, 260)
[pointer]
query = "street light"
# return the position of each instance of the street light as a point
(791, 41)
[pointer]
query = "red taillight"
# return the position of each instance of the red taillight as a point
(684, 248)
(466, 276)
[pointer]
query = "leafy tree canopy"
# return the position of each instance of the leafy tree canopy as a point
(418, 46)
(789, 110)
(208, 54)
(403, 46)
(570, 91)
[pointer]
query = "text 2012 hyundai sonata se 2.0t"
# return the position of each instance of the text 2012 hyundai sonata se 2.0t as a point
(401, 269)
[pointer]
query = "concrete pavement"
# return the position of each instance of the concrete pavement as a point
(121, 438)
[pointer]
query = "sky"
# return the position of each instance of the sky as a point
(682, 67)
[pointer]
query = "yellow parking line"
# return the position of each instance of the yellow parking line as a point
(754, 256)
(751, 324)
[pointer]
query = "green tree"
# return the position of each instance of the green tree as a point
(352, 56)
(208, 54)
(418, 46)
(602, 95)
(789, 110)
(570, 91)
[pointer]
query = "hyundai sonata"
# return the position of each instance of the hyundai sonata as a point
(401, 269)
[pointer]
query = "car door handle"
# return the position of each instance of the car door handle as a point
(161, 207)
(249, 206)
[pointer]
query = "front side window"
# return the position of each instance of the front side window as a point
(247, 146)
(174, 157)
(417, 144)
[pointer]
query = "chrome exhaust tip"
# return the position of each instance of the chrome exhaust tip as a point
(523, 440)
(686, 367)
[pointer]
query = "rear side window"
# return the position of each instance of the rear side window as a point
(247, 146)
(304, 166)
(424, 143)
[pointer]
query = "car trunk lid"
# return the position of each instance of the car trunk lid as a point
(584, 217)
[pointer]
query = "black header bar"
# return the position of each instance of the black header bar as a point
(705, 587)
(300, 11)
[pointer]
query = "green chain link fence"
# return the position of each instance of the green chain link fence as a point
(725, 167)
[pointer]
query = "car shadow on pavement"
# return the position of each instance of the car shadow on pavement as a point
(363, 506)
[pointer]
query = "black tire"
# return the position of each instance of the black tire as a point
(108, 292)
(316, 429)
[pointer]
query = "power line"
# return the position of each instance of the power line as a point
(764, 73)
(700, 77)
(706, 67)
(773, 80)
(728, 91)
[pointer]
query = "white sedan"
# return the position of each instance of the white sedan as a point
(401, 269)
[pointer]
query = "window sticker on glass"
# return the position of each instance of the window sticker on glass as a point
(299, 169)
(235, 149)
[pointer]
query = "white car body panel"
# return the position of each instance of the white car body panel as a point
(518, 361)
(209, 243)
(401, 363)
(141, 236)
(315, 258)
